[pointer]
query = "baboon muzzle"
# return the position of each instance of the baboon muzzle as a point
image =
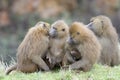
(70, 41)
(90, 25)
(53, 33)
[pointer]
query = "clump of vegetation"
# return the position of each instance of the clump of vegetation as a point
(99, 72)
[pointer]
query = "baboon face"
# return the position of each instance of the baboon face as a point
(45, 26)
(75, 54)
(77, 34)
(58, 30)
(96, 26)
(99, 24)
(73, 38)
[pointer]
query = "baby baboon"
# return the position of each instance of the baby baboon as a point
(32, 50)
(58, 34)
(108, 38)
(71, 55)
(86, 43)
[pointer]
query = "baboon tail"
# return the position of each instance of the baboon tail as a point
(14, 67)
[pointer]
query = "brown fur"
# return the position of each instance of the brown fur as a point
(86, 43)
(58, 35)
(32, 50)
(108, 38)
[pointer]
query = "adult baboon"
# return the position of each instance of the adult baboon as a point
(108, 38)
(32, 50)
(87, 45)
(58, 35)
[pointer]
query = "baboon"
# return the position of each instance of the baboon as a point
(32, 50)
(86, 43)
(108, 38)
(71, 55)
(58, 34)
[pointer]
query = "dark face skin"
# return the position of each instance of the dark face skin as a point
(75, 54)
(70, 41)
(90, 25)
(53, 32)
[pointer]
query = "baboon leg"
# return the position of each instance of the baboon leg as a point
(115, 61)
(40, 62)
(82, 65)
(64, 61)
(105, 60)
(14, 67)
(28, 68)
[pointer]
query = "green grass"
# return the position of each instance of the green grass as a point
(98, 72)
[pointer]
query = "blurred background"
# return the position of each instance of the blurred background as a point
(16, 16)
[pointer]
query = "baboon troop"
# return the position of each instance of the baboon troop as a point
(75, 47)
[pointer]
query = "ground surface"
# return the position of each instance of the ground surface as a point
(98, 72)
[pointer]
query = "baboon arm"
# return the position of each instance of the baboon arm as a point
(49, 57)
(81, 64)
(64, 61)
(40, 62)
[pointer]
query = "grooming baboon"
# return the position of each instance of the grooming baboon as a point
(87, 45)
(108, 38)
(32, 50)
(58, 34)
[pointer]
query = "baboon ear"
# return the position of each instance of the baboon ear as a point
(102, 22)
(44, 25)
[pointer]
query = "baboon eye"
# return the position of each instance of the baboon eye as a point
(44, 25)
(63, 29)
(54, 28)
(102, 23)
(78, 33)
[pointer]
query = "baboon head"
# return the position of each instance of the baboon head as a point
(43, 26)
(99, 24)
(59, 29)
(75, 54)
(77, 34)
